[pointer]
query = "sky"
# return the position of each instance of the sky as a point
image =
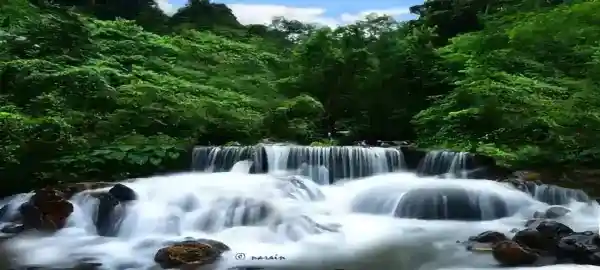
(332, 12)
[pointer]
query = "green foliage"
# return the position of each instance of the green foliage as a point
(111, 90)
(528, 87)
(83, 98)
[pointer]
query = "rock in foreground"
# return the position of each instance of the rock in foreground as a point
(548, 242)
(190, 254)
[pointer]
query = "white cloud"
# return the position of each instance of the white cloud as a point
(347, 18)
(264, 13)
(166, 7)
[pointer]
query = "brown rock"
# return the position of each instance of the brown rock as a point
(47, 210)
(510, 253)
(190, 254)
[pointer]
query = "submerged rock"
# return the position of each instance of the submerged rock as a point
(450, 203)
(555, 211)
(190, 254)
(240, 211)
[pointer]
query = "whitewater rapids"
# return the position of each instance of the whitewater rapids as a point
(169, 208)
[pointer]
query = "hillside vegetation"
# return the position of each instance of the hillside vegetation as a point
(118, 89)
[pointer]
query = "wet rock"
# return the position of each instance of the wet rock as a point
(47, 210)
(4, 211)
(412, 156)
(542, 235)
(533, 223)
(123, 193)
(510, 253)
(489, 237)
(70, 189)
(111, 208)
(553, 229)
(450, 203)
(108, 215)
(579, 248)
(190, 254)
(555, 211)
(534, 239)
(13, 229)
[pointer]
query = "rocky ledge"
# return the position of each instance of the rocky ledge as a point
(543, 241)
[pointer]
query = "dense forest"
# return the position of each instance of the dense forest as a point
(105, 90)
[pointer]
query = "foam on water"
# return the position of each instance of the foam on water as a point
(315, 227)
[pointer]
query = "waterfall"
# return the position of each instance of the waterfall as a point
(322, 164)
(446, 163)
(288, 201)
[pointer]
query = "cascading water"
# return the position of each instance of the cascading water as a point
(387, 221)
(322, 164)
(446, 163)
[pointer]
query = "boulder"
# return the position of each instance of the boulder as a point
(553, 229)
(70, 189)
(111, 208)
(534, 239)
(510, 253)
(484, 241)
(491, 237)
(450, 203)
(123, 193)
(542, 235)
(47, 210)
(579, 248)
(13, 229)
(4, 211)
(554, 211)
(547, 242)
(190, 254)
(107, 215)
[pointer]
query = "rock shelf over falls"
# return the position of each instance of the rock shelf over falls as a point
(328, 164)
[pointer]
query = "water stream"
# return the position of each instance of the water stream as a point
(387, 221)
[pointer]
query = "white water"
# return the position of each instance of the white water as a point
(171, 208)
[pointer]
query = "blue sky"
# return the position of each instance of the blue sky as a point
(332, 12)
